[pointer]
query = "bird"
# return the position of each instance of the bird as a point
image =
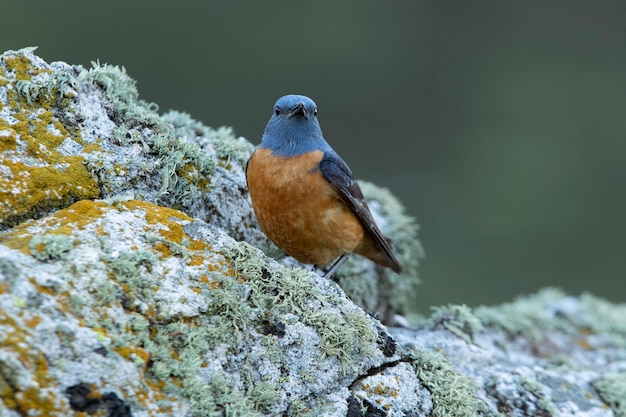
(304, 196)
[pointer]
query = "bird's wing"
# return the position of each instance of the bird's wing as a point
(338, 174)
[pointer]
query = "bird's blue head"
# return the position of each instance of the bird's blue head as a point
(293, 128)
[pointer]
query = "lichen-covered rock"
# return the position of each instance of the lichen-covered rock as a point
(168, 315)
(543, 355)
(126, 288)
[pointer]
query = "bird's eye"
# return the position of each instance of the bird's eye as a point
(315, 112)
(277, 110)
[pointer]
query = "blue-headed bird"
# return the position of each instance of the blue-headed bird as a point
(304, 195)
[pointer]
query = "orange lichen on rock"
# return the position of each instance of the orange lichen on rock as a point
(37, 396)
(172, 230)
(65, 221)
(39, 177)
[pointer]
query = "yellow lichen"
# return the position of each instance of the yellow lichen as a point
(52, 180)
(30, 399)
(196, 260)
(8, 139)
(33, 321)
(136, 354)
(163, 250)
(22, 67)
(65, 221)
(93, 147)
(170, 227)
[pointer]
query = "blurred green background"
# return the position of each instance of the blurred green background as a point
(501, 125)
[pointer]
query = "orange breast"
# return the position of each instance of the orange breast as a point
(299, 210)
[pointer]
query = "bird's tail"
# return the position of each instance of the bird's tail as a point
(379, 251)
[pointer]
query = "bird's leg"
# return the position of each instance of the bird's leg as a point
(336, 265)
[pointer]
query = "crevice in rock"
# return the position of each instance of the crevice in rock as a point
(378, 369)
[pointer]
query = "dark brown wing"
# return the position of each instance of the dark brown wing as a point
(338, 174)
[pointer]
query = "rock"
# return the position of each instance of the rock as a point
(131, 284)
(150, 307)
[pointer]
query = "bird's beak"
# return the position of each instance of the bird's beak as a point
(298, 109)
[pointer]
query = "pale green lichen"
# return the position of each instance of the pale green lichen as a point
(177, 156)
(128, 267)
(230, 315)
(348, 337)
(76, 302)
(453, 394)
(602, 316)
(532, 316)
(457, 319)
(122, 91)
(612, 389)
(542, 395)
(226, 145)
(180, 356)
(525, 316)
(50, 247)
(45, 90)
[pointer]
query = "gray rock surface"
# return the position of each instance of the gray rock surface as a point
(131, 284)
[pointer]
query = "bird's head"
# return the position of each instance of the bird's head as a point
(295, 106)
(293, 128)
